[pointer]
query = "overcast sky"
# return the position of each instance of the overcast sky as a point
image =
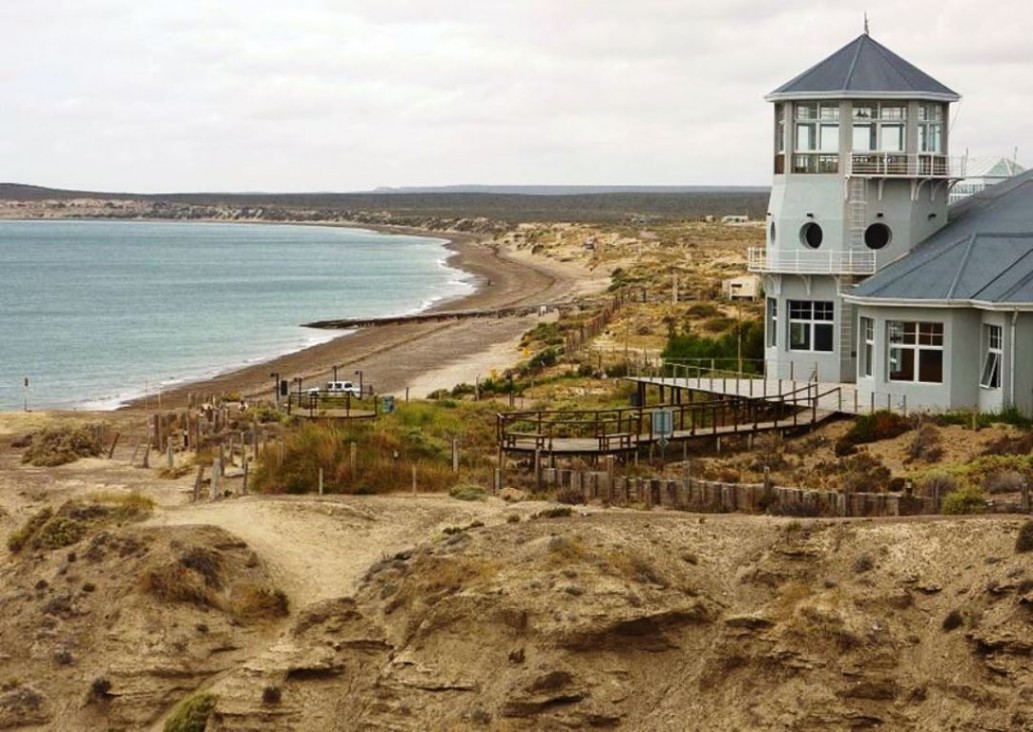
(342, 95)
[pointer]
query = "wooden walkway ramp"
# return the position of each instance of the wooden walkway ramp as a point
(624, 430)
(830, 396)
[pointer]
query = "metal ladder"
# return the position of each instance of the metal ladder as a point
(857, 211)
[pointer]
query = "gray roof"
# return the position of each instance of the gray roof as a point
(984, 255)
(862, 69)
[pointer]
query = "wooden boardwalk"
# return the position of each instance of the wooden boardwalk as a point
(831, 396)
(625, 430)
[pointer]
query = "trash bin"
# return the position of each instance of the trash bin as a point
(387, 404)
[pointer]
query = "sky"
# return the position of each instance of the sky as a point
(346, 95)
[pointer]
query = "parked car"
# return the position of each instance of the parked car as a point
(337, 388)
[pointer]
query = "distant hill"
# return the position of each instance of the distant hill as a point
(501, 203)
(572, 190)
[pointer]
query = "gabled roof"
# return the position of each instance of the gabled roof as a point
(864, 69)
(983, 256)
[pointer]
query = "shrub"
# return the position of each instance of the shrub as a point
(17, 540)
(969, 499)
(864, 472)
(59, 532)
(569, 496)
(191, 714)
(1024, 540)
(1005, 481)
(926, 444)
(468, 493)
(939, 483)
(953, 620)
(863, 563)
(100, 689)
(253, 603)
(61, 445)
(558, 512)
(271, 695)
(881, 425)
(175, 583)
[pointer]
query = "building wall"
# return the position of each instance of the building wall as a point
(781, 363)
(964, 353)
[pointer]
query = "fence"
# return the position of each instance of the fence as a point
(702, 496)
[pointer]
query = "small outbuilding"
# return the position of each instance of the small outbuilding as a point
(746, 287)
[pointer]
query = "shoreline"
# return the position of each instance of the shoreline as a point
(397, 358)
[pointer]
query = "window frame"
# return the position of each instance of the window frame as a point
(803, 318)
(993, 356)
(866, 328)
(772, 313)
(916, 340)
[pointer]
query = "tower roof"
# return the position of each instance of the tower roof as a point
(864, 68)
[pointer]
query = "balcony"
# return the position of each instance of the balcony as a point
(798, 261)
(904, 165)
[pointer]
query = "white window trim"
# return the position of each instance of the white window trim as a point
(992, 352)
(867, 328)
(917, 348)
(772, 335)
(811, 324)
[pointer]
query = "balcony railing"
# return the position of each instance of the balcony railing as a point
(904, 165)
(798, 261)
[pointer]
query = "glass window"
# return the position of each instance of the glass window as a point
(830, 138)
(892, 139)
(867, 346)
(992, 352)
(915, 351)
(930, 137)
(806, 137)
(811, 326)
(864, 137)
(772, 322)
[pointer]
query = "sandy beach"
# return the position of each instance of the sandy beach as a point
(421, 356)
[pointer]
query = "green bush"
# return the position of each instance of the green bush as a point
(723, 349)
(62, 445)
(191, 714)
(969, 499)
(18, 539)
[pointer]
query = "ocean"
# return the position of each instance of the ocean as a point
(95, 313)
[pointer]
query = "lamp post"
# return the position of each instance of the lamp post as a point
(359, 374)
(275, 376)
(335, 367)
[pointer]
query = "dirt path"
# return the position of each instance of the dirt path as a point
(319, 548)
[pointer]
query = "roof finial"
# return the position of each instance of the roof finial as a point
(866, 23)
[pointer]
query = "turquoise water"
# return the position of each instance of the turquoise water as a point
(94, 313)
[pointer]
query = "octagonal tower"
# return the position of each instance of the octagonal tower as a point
(861, 175)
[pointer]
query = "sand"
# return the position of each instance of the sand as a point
(422, 357)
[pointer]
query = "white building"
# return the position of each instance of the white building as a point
(861, 175)
(978, 174)
(866, 279)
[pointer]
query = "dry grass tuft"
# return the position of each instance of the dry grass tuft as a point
(253, 603)
(175, 583)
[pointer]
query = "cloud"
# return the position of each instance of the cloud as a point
(351, 94)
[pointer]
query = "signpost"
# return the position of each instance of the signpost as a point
(663, 425)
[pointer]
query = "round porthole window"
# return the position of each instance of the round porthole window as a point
(811, 235)
(771, 230)
(877, 236)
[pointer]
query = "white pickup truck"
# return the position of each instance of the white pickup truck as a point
(336, 388)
